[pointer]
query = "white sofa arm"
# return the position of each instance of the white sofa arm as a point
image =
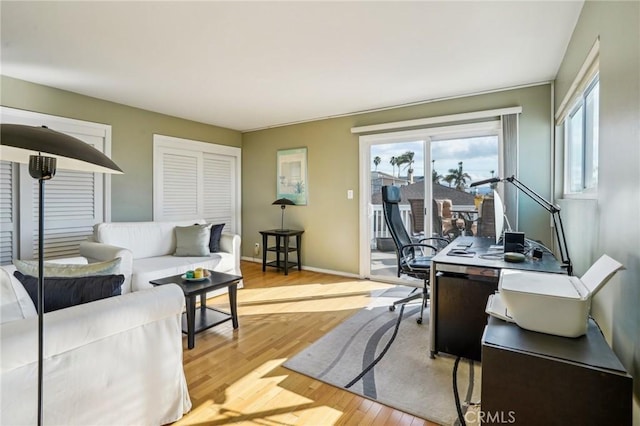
(130, 344)
(230, 243)
(98, 252)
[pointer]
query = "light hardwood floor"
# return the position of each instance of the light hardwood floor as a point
(236, 376)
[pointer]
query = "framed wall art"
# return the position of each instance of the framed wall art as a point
(292, 175)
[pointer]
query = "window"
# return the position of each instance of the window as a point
(577, 119)
(581, 142)
(74, 201)
(196, 180)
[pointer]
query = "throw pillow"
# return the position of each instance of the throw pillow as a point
(60, 293)
(214, 241)
(192, 240)
(30, 267)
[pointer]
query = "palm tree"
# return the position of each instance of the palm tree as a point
(393, 162)
(406, 158)
(435, 177)
(376, 161)
(458, 177)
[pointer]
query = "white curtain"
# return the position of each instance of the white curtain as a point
(510, 143)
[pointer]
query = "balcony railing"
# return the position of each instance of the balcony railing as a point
(379, 227)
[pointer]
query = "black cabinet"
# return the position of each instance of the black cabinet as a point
(540, 379)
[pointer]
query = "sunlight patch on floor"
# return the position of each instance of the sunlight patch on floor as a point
(250, 394)
(308, 298)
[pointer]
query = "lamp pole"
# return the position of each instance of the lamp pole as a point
(26, 144)
(41, 168)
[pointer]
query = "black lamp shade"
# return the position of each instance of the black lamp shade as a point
(284, 202)
(18, 142)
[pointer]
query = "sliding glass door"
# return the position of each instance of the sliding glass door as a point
(434, 169)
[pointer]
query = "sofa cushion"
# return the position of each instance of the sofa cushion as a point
(30, 267)
(145, 270)
(15, 303)
(214, 239)
(192, 240)
(60, 293)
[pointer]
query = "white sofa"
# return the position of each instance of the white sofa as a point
(112, 361)
(147, 248)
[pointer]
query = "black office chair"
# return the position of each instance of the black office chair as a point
(414, 259)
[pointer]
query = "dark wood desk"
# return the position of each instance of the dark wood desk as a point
(282, 240)
(195, 321)
(460, 287)
(552, 380)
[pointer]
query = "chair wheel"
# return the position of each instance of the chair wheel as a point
(392, 308)
(419, 320)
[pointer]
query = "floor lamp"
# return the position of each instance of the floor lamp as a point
(44, 150)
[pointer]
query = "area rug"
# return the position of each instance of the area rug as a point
(404, 378)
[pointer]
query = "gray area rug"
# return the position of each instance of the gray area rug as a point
(405, 377)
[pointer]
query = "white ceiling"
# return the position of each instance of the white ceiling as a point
(250, 65)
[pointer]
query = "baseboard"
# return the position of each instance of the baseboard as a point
(310, 268)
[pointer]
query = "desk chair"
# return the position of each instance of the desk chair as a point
(414, 259)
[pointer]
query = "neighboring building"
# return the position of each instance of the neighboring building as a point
(380, 179)
(440, 192)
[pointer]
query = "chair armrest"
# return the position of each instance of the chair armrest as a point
(77, 326)
(439, 241)
(99, 252)
(416, 245)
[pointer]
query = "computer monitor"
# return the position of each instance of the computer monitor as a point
(498, 210)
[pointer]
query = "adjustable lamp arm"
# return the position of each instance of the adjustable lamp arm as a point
(555, 215)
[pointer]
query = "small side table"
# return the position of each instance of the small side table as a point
(205, 317)
(282, 237)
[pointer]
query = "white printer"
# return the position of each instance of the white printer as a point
(550, 303)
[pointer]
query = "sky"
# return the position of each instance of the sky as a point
(479, 156)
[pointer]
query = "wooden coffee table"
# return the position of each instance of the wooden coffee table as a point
(205, 317)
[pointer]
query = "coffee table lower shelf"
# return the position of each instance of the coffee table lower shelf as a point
(205, 318)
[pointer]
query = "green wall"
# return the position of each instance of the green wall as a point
(330, 220)
(615, 229)
(132, 137)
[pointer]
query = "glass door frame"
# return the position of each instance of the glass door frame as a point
(426, 135)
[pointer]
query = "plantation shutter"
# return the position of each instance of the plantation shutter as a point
(7, 225)
(179, 181)
(219, 190)
(69, 212)
(73, 203)
(196, 180)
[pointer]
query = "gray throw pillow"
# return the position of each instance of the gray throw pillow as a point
(30, 267)
(192, 240)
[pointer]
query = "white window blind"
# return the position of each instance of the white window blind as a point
(196, 180)
(7, 219)
(69, 211)
(219, 189)
(179, 180)
(74, 201)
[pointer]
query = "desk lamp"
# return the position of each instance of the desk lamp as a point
(44, 149)
(283, 203)
(548, 206)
